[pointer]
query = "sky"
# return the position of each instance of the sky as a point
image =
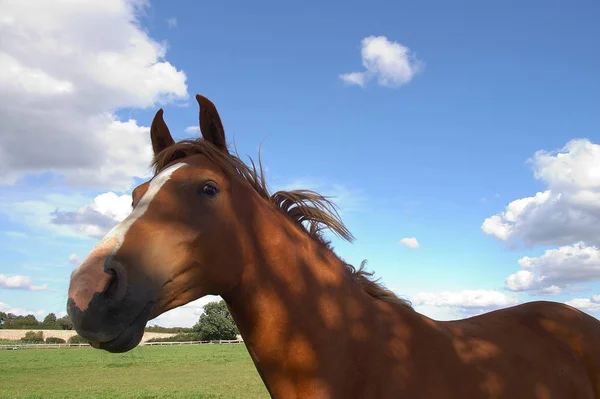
(460, 141)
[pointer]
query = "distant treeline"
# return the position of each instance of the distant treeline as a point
(9, 321)
(169, 330)
(214, 323)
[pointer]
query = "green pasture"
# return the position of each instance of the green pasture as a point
(187, 371)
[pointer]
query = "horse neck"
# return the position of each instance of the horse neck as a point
(300, 313)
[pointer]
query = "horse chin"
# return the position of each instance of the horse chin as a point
(129, 338)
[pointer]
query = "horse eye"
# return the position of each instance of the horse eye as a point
(209, 190)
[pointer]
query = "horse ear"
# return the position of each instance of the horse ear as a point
(159, 133)
(210, 123)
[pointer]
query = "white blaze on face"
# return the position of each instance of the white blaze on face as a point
(113, 240)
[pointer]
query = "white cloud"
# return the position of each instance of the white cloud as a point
(550, 290)
(192, 129)
(590, 305)
(19, 282)
(64, 70)
(439, 313)
(74, 259)
(556, 270)
(95, 220)
(128, 153)
(36, 214)
(184, 316)
(20, 311)
(391, 63)
(519, 281)
(466, 302)
(172, 22)
(567, 212)
(410, 242)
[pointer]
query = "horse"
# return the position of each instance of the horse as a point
(314, 325)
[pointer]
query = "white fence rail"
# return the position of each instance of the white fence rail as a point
(219, 341)
(9, 347)
(68, 346)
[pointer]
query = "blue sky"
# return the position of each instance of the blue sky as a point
(481, 89)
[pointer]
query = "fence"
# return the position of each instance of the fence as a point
(219, 341)
(68, 346)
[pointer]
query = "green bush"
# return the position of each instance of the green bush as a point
(54, 340)
(76, 339)
(34, 337)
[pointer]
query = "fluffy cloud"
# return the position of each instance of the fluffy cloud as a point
(64, 70)
(97, 219)
(184, 316)
(410, 242)
(20, 311)
(567, 212)
(590, 305)
(556, 269)
(192, 129)
(19, 282)
(567, 215)
(466, 302)
(36, 213)
(391, 63)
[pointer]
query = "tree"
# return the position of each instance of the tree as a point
(3, 317)
(65, 323)
(21, 322)
(216, 322)
(50, 319)
(50, 322)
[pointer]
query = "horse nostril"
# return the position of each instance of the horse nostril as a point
(112, 285)
(116, 287)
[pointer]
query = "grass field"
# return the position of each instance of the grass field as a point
(188, 371)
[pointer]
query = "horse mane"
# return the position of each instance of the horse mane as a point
(311, 211)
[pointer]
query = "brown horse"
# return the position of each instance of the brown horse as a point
(314, 326)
